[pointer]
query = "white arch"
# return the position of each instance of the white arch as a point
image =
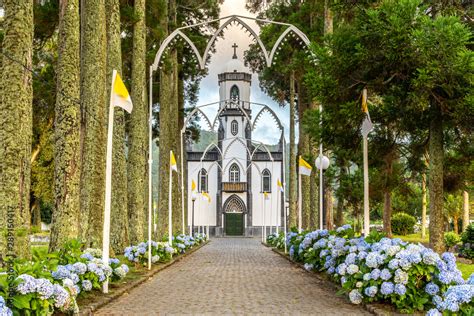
(272, 113)
(293, 29)
(168, 40)
(266, 149)
(247, 118)
(231, 162)
(208, 148)
(235, 18)
(237, 139)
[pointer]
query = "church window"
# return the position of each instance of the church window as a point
(234, 173)
(234, 127)
(234, 93)
(203, 181)
(266, 181)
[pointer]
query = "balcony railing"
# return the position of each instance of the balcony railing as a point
(234, 186)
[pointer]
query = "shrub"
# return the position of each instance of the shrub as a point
(451, 239)
(467, 238)
(409, 276)
(403, 224)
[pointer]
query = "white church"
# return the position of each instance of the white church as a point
(239, 175)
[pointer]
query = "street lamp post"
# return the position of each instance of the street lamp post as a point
(322, 163)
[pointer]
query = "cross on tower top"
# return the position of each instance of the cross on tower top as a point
(235, 53)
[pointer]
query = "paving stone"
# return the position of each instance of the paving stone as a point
(232, 276)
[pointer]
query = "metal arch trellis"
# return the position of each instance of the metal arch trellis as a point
(178, 34)
(239, 19)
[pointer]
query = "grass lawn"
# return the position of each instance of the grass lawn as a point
(466, 269)
(413, 238)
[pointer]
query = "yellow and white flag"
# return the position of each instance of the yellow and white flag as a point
(173, 164)
(367, 125)
(119, 94)
(206, 196)
(305, 168)
(280, 185)
(266, 195)
(193, 185)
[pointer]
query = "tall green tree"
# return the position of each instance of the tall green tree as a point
(94, 105)
(119, 229)
(67, 159)
(138, 136)
(16, 122)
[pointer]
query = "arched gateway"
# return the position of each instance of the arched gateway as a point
(234, 214)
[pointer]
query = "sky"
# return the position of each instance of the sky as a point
(266, 130)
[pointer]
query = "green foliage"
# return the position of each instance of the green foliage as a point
(374, 236)
(451, 239)
(403, 224)
(467, 238)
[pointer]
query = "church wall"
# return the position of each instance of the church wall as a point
(204, 212)
(271, 216)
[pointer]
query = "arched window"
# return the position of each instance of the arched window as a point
(234, 93)
(234, 127)
(203, 181)
(266, 181)
(234, 173)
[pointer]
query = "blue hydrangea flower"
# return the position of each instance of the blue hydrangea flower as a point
(86, 285)
(434, 312)
(431, 288)
(28, 285)
(387, 288)
(393, 264)
(61, 296)
(401, 277)
(400, 289)
(371, 291)
(4, 310)
(352, 269)
(375, 274)
(308, 266)
(385, 274)
(44, 288)
(355, 297)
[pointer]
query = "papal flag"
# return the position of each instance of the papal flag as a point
(367, 125)
(305, 168)
(173, 164)
(280, 185)
(119, 95)
(266, 196)
(206, 196)
(193, 185)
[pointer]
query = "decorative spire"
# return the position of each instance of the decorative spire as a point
(235, 49)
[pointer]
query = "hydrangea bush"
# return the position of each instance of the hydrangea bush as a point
(162, 251)
(52, 282)
(409, 276)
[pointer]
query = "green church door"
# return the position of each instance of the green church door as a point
(234, 224)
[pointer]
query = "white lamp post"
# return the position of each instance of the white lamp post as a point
(322, 163)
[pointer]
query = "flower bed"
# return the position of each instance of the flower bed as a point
(53, 282)
(378, 269)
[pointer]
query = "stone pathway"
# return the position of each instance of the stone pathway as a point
(232, 276)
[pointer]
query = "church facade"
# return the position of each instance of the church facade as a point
(238, 174)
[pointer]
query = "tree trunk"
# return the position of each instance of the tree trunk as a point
(339, 220)
(67, 160)
(94, 99)
(436, 182)
(138, 149)
(304, 150)
(314, 184)
(293, 218)
(16, 127)
(169, 134)
(423, 205)
(329, 206)
(465, 216)
(387, 197)
(118, 214)
(328, 18)
(455, 224)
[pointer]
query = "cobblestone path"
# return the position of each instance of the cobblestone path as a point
(232, 276)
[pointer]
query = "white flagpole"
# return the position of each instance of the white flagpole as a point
(182, 181)
(300, 200)
(277, 209)
(284, 188)
(150, 164)
(170, 205)
(366, 189)
(321, 226)
(108, 185)
(263, 215)
(271, 199)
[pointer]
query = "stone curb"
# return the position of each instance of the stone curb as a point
(376, 309)
(106, 299)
